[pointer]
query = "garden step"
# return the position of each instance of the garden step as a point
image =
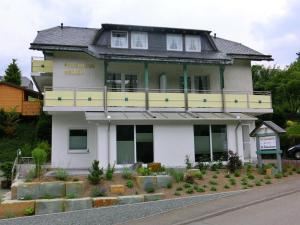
(46, 206)
(78, 204)
(130, 199)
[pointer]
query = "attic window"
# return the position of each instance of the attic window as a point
(174, 42)
(119, 39)
(139, 40)
(192, 43)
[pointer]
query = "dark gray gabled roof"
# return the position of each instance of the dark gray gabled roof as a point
(236, 49)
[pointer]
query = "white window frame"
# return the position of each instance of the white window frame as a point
(186, 40)
(78, 151)
(111, 38)
(135, 33)
(168, 40)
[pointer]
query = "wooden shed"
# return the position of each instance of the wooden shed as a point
(25, 101)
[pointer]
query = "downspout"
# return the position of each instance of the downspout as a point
(108, 140)
(236, 134)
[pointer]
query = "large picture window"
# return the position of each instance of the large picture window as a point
(139, 40)
(174, 42)
(119, 39)
(210, 143)
(195, 83)
(125, 144)
(78, 139)
(114, 81)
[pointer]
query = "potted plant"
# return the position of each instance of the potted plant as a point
(6, 172)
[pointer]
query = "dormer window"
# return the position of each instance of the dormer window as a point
(119, 39)
(174, 42)
(192, 43)
(139, 40)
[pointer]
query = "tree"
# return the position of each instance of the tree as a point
(13, 73)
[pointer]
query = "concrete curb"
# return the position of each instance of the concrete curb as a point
(241, 206)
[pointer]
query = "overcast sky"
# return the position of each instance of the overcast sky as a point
(269, 26)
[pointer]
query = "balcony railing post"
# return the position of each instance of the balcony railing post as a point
(105, 98)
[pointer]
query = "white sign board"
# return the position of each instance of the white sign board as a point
(267, 143)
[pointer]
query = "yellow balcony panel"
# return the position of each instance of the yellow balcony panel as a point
(59, 98)
(89, 98)
(42, 66)
(125, 99)
(166, 100)
(238, 101)
(205, 100)
(260, 101)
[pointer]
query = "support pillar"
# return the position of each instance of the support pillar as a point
(185, 86)
(222, 69)
(146, 85)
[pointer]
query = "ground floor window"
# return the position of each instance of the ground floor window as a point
(77, 139)
(210, 143)
(134, 144)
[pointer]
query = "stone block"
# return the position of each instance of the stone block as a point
(163, 180)
(154, 197)
(14, 189)
(77, 204)
(28, 191)
(47, 206)
(75, 188)
(117, 189)
(52, 189)
(130, 199)
(104, 201)
(146, 181)
(13, 208)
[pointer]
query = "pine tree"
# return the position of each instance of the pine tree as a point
(13, 73)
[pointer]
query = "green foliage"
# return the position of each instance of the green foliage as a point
(188, 162)
(213, 188)
(199, 175)
(109, 172)
(95, 173)
(45, 145)
(234, 162)
(43, 128)
(126, 173)
(189, 179)
(29, 211)
(144, 171)
(237, 174)
(71, 195)
(9, 122)
(278, 175)
(200, 189)
(178, 175)
(268, 182)
(169, 185)
(177, 193)
(258, 183)
(226, 186)
(232, 181)
(179, 189)
(39, 156)
(6, 169)
(250, 176)
(61, 174)
(13, 73)
(150, 188)
(227, 176)
(27, 197)
(214, 166)
(129, 184)
(298, 170)
(30, 175)
(98, 192)
(189, 190)
(213, 182)
(202, 166)
(187, 185)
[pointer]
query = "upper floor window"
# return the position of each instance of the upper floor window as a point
(139, 40)
(174, 42)
(192, 43)
(119, 39)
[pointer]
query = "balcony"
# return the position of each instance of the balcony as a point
(63, 99)
(40, 65)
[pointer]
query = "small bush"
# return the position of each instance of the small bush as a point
(177, 175)
(75, 179)
(237, 174)
(61, 174)
(227, 176)
(98, 192)
(29, 211)
(187, 185)
(298, 170)
(6, 169)
(215, 176)
(226, 186)
(244, 179)
(249, 168)
(245, 187)
(95, 173)
(179, 189)
(234, 162)
(268, 182)
(278, 175)
(169, 185)
(144, 171)
(244, 182)
(150, 189)
(109, 172)
(268, 177)
(250, 185)
(195, 187)
(258, 183)
(39, 156)
(213, 188)
(285, 175)
(177, 193)
(250, 176)
(48, 196)
(189, 179)
(213, 182)
(214, 167)
(232, 181)
(129, 184)
(30, 175)
(291, 173)
(27, 197)
(199, 175)
(127, 174)
(188, 163)
(200, 189)
(190, 191)
(202, 166)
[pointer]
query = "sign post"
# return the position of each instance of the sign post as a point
(268, 142)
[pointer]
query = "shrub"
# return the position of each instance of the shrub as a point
(213, 182)
(30, 175)
(213, 188)
(215, 176)
(27, 197)
(202, 166)
(189, 179)
(250, 185)
(45, 145)
(245, 187)
(177, 193)
(39, 156)
(278, 175)
(143, 171)
(234, 162)
(95, 173)
(29, 211)
(249, 168)
(200, 189)
(232, 181)
(179, 189)
(9, 122)
(250, 176)
(150, 189)
(291, 172)
(227, 176)
(98, 192)
(43, 128)
(61, 174)
(109, 172)
(187, 185)
(189, 190)
(244, 179)
(169, 185)
(220, 164)
(237, 174)
(188, 162)
(298, 170)
(226, 186)
(6, 169)
(214, 167)
(268, 177)
(244, 182)
(268, 182)
(199, 175)
(126, 174)
(129, 184)
(177, 175)
(258, 183)
(75, 179)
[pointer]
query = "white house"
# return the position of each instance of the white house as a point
(124, 94)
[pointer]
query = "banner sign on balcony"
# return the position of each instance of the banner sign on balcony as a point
(267, 143)
(77, 68)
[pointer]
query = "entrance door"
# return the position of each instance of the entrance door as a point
(246, 142)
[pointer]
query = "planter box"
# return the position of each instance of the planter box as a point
(52, 189)
(117, 189)
(76, 188)
(49, 206)
(77, 204)
(154, 197)
(104, 201)
(130, 199)
(28, 190)
(13, 208)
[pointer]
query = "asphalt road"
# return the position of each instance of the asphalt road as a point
(279, 211)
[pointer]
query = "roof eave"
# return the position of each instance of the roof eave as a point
(251, 57)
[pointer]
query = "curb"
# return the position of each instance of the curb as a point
(241, 206)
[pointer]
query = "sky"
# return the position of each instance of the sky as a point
(269, 26)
